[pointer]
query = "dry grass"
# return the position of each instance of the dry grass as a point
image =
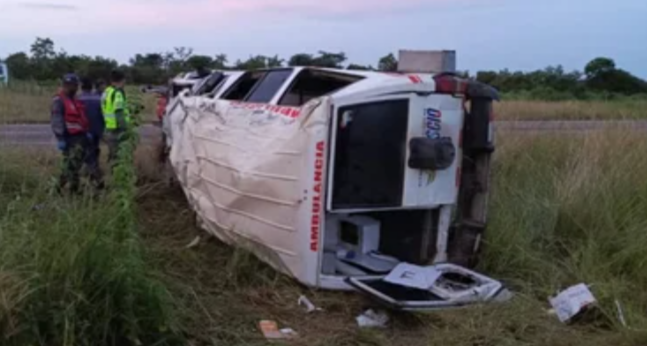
(564, 210)
(571, 110)
(28, 103)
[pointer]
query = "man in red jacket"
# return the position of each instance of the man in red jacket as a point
(72, 130)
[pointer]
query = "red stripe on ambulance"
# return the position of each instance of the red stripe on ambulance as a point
(290, 112)
(414, 78)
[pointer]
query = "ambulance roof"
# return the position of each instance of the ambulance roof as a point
(350, 82)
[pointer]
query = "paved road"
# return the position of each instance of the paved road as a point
(41, 134)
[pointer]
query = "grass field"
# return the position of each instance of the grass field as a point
(28, 103)
(564, 210)
(571, 110)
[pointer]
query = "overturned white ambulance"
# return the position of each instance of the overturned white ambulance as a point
(344, 179)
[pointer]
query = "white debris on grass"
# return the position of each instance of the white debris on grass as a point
(572, 301)
(304, 301)
(372, 319)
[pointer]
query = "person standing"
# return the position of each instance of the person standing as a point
(100, 87)
(116, 113)
(71, 129)
(92, 103)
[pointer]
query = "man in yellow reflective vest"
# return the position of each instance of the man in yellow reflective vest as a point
(116, 114)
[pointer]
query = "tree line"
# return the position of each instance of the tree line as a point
(44, 63)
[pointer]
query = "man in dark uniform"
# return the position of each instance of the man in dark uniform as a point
(100, 87)
(71, 128)
(92, 104)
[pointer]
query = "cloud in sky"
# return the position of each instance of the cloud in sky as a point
(488, 34)
(49, 6)
(200, 13)
(153, 14)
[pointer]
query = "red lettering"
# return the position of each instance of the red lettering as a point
(294, 113)
(285, 111)
(316, 198)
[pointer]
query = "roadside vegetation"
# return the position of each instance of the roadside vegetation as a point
(601, 91)
(117, 270)
(29, 102)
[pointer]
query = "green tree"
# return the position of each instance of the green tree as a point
(359, 67)
(274, 61)
(220, 62)
(602, 75)
(19, 66)
(200, 61)
(148, 68)
(487, 77)
(331, 60)
(301, 59)
(258, 61)
(100, 67)
(599, 66)
(43, 49)
(42, 57)
(388, 63)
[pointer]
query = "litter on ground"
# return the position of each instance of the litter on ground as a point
(372, 319)
(304, 301)
(271, 331)
(194, 242)
(572, 301)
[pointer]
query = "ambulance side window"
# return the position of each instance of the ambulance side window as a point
(271, 84)
(310, 84)
(212, 93)
(243, 86)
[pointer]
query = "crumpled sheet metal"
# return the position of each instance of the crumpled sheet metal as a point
(247, 170)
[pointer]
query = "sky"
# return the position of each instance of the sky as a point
(486, 34)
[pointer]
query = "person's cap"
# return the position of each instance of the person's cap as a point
(70, 78)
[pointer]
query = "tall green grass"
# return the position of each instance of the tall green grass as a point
(573, 208)
(565, 209)
(73, 270)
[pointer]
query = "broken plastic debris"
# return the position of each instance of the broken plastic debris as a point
(303, 300)
(621, 314)
(271, 330)
(289, 332)
(194, 242)
(503, 296)
(572, 301)
(409, 275)
(372, 319)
